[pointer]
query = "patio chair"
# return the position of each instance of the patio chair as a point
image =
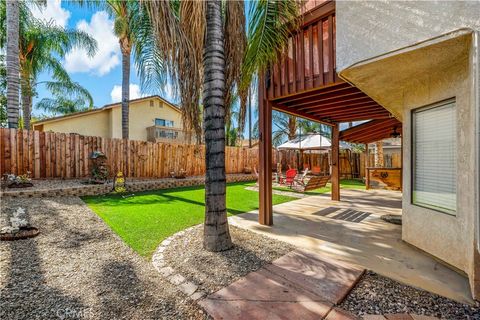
(313, 183)
(290, 177)
(301, 179)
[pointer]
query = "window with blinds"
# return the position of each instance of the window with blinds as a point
(435, 157)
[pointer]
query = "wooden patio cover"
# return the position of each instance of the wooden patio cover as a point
(304, 83)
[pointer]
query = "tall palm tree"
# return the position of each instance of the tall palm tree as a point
(216, 232)
(42, 45)
(13, 63)
(180, 30)
(133, 29)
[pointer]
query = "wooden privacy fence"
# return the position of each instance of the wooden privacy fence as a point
(61, 155)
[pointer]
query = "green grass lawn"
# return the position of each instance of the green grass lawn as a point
(344, 184)
(147, 218)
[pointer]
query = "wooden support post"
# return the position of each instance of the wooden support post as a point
(367, 173)
(265, 212)
(335, 162)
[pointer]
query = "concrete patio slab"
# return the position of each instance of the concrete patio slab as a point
(333, 229)
(299, 285)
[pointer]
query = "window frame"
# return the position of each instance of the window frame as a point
(442, 103)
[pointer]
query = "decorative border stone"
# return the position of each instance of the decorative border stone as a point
(189, 288)
(132, 186)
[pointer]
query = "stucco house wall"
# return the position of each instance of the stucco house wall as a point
(88, 124)
(407, 55)
(366, 29)
(107, 123)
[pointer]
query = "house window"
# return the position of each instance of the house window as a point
(151, 104)
(435, 157)
(163, 122)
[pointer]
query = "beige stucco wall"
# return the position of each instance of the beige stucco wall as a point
(450, 238)
(399, 54)
(142, 115)
(89, 124)
(366, 29)
(107, 123)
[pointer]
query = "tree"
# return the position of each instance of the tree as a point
(61, 105)
(3, 93)
(180, 29)
(13, 63)
(134, 32)
(42, 45)
(216, 232)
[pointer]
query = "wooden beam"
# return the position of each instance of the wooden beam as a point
(347, 112)
(313, 92)
(356, 118)
(320, 54)
(319, 12)
(294, 65)
(346, 109)
(265, 212)
(310, 56)
(335, 177)
(302, 60)
(359, 98)
(300, 114)
(320, 95)
(331, 51)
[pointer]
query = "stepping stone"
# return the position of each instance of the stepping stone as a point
(421, 317)
(340, 314)
(263, 295)
(329, 279)
(398, 316)
(299, 285)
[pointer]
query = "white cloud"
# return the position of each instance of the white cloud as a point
(52, 12)
(135, 92)
(108, 53)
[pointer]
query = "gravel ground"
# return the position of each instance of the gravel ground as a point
(78, 268)
(213, 271)
(375, 294)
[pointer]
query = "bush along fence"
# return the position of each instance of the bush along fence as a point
(61, 155)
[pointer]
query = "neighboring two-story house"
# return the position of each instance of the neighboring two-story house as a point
(150, 119)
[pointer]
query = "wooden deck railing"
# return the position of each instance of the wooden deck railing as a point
(309, 60)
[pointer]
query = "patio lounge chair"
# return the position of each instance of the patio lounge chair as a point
(301, 179)
(290, 177)
(313, 183)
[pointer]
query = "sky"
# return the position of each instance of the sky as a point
(101, 74)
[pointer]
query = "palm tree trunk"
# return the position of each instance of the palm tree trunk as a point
(216, 235)
(292, 127)
(26, 103)
(125, 89)
(13, 63)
